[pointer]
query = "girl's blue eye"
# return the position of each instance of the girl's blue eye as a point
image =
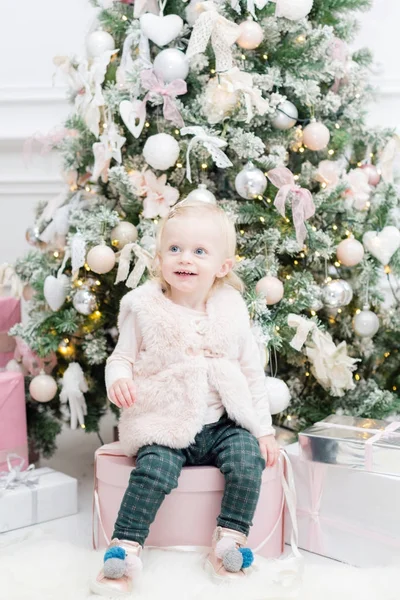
(200, 251)
(174, 249)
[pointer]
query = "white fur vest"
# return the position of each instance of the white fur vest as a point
(171, 372)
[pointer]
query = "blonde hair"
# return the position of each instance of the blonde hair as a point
(227, 229)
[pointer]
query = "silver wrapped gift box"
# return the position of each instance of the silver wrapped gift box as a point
(363, 444)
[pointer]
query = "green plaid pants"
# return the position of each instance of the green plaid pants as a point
(223, 444)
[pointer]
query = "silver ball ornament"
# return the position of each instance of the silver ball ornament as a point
(122, 234)
(84, 301)
(366, 323)
(337, 293)
(171, 64)
(32, 236)
(285, 116)
(250, 182)
(43, 388)
(99, 42)
(202, 194)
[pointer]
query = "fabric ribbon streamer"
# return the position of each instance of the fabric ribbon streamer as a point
(302, 202)
(143, 262)
(74, 385)
(15, 476)
(390, 153)
(212, 143)
(223, 33)
(155, 85)
(78, 253)
(9, 279)
(331, 365)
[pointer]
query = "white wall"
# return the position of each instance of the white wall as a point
(33, 31)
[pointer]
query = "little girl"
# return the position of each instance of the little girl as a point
(188, 376)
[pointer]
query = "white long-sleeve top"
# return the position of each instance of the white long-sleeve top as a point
(130, 344)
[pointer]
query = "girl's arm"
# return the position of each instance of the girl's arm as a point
(252, 368)
(120, 364)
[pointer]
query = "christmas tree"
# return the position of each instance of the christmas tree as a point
(256, 105)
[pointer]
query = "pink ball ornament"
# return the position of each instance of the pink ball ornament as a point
(251, 35)
(316, 136)
(271, 288)
(101, 259)
(43, 388)
(372, 173)
(350, 252)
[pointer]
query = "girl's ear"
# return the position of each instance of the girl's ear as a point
(226, 267)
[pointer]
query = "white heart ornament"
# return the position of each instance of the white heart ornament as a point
(133, 115)
(161, 30)
(384, 244)
(55, 290)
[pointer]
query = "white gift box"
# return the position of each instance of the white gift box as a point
(342, 513)
(54, 495)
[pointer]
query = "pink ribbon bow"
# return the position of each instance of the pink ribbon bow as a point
(31, 362)
(155, 85)
(302, 203)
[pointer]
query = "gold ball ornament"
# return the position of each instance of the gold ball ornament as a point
(101, 259)
(251, 35)
(124, 233)
(43, 387)
(271, 288)
(350, 252)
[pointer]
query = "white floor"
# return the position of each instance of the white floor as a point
(74, 457)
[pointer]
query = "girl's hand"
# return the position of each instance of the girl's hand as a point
(269, 449)
(122, 392)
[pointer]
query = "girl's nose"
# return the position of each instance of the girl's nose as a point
(186, 256)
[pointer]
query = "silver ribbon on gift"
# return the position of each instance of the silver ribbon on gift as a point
(15, 476)
(144, 260)
(212, 143)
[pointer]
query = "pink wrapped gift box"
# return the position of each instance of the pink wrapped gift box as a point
(188, 514)
(13, 431)
(10, 314)
(346, 514)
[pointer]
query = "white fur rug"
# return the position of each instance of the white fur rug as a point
(42, 569)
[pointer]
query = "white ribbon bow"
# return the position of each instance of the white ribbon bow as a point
(223, 33)
(15, 476)
(331, 365)
(212, 143)
(143, 262)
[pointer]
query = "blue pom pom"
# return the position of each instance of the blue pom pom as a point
(115, 552)
(248, 557)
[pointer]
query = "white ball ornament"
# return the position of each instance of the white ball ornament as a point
(171, 64)
(99, 42)
(101, 259)
(43, 388)
(124, 233)
(271, 288)
(278, 395)
(250, 182)
(161, 151)
(202, 194)
(293, 9)
(366, 323)
(316, 136)
(250, 36)
(350, 252)
(285, 116)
